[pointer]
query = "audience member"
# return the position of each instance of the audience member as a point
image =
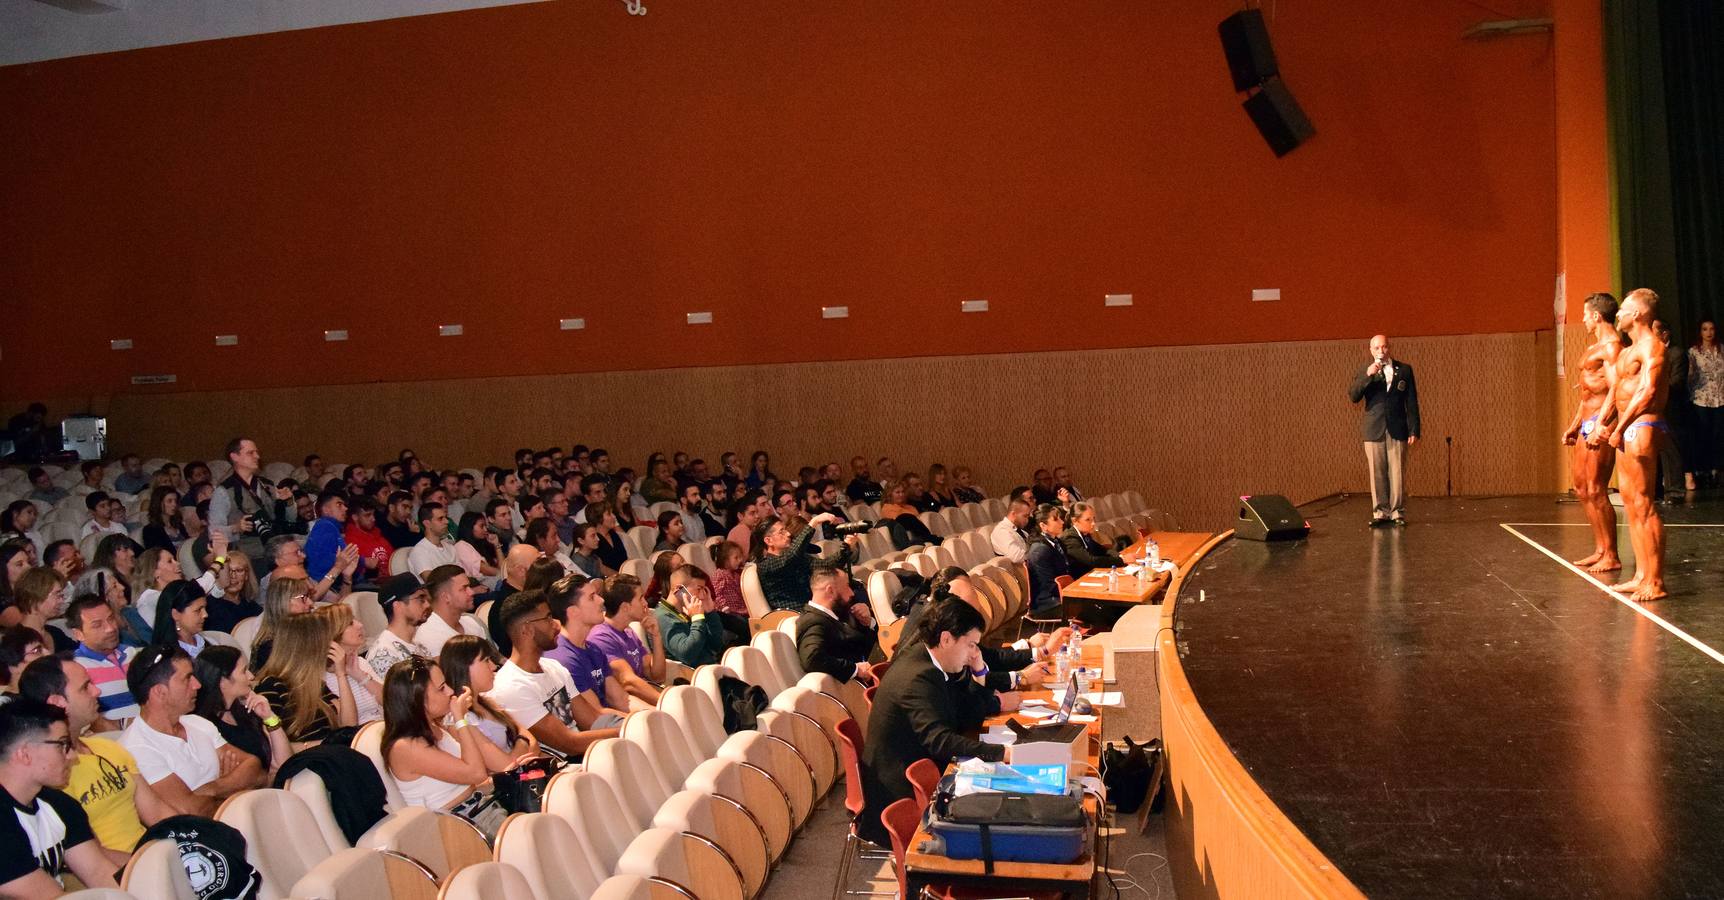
(896, 502)
(366, 685)
(327, 536)
(157, 568)
(577, 604)
(539, 697)
(759, 471)
(407, 605)
(1706, 394)
(471, 662)
(180, 615)
(1047, 559)
(750, 510)
(91, 482)
(363, 534)
(397, 522)
(629, 507)
(784, 565)
(1063, 482)
(1010, 537)
(939, 489)
(828, 638)
(307, 646)
(689, 505)
(48, 833)
(285, 598)
(434, 766)
(18, 524)
(246, 506)
(19, 647)
(612, 552)
(241, 715)
(638, 666)
(62, 556)
(118, 553)
(584, 556)
(715, 498)
(107, 516)
(235, 595)
(104, 777)
(42, 487)
(40, 595)
(692, 634)
(595, 490)
(436, 548)
(131, 479)
(163, 526)
(516, 564)
(101, 654)
(451, 591)
(917, 496)
(658, 486)
(182, 756)
(962, 490)
(477, 550)
(726, 582)
(671, 531)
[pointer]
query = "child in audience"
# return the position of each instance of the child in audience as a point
(726, 583)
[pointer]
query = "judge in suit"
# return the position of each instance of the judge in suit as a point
(926, 704)
(828, 637)
(1021, 666)
(1047, 558)
(1390, 425)
(1084, 549)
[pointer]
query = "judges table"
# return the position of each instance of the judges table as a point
(1177, 546)
(1013, 879)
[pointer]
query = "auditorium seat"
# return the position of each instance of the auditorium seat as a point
(882, 588)
(310, 787)
(780, 652)
(634, 887)
(357, 874)
(545, 850)
(156, 871)
(696, 555)
(369, 613)
(788, 626)
(639, 568)
(640, 540)
(824, 711)
(491, 881)
(850, 747)
(640, 780)
(752, 666)
(442, 842)
(753, 596)
(398, 561)
(368, 740)
(279, 863)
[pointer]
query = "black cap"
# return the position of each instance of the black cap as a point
(395, 588)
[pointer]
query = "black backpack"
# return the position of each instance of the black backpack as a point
(213, 854)
(742, 703)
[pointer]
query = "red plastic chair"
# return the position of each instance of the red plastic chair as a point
(850, 747)
(924, 777)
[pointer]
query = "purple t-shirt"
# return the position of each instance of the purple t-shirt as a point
(618, 645)
(587, 665)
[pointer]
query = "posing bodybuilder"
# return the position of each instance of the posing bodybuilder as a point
(1591, 466)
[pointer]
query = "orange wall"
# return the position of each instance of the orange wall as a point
(506, 167)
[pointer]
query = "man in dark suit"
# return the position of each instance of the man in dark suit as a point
(1047, 558)
(828, 638)
(1021, 666)
(926, 703)
(1390, 425)
(1084, 550)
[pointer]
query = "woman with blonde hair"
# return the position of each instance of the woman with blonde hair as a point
(306, 646)
(366, 686)
(286, 597)
(235, 596)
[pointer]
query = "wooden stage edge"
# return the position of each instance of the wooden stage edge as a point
(1225, 837)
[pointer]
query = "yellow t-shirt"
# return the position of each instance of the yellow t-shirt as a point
(105, 783)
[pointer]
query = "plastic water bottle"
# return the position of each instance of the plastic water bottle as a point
(1152, 552)
(1112, 580)
(1076, 645)
(1063, 664)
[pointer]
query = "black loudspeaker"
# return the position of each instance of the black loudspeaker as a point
(1250, 57)
(1278, 116)
(1269, 517)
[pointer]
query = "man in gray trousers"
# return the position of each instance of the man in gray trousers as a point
(1389, 426)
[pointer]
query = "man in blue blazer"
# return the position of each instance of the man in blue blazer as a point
(1390, 425)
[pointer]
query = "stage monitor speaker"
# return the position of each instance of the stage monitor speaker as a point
(1245, 40)
(1269, 517)
(1278, 117)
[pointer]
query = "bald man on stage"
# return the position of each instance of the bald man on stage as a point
(1591, 465)
(1636, 420)
(1390, 425)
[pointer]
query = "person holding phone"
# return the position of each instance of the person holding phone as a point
(693, 633)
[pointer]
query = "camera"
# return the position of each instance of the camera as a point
(845, 529)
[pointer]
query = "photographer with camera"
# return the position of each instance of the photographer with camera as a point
(783, 565)
(248, 508)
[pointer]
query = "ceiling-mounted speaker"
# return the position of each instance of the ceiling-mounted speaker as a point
(1278, 117)
(1250, 57)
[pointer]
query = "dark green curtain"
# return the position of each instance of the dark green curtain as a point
(1665, 70)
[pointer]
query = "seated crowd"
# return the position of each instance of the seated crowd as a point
(126, 697)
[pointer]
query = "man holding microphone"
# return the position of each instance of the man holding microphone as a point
(1389, 426)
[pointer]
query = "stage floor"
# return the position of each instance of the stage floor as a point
(1447, 711)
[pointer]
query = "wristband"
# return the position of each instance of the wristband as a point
(696, 617)
(273, 722)
(981, 674)
(221, 560)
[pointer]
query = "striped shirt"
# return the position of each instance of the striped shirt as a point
(108, 673)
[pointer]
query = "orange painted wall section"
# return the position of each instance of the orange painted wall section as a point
(507, 167)
(1583, 154)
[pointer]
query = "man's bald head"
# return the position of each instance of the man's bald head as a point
(1380, 346)
(520, 558)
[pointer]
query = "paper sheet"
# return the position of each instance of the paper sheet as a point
(1096, 698)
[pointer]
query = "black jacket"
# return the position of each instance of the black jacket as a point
(1388, 413)
(919, 713)
(1047, 562)
(1084, 553)
(356, 793)
(1001, 661)
(827, 645)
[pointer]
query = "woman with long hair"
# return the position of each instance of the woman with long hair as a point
(471, 662)
(476, 547)
(15, 559)
(40, 594)
(117, 552)
(1706, 393)
(180, 614)
(663, 563)
(622, 503)
(430, 746)
(163, 526)
(612, 551)
(361, 679)
(18, 523)
(544, 572)
(759, 470)
(305, 647)
(235, 596)
(286, 598)
(226, 699)
(157, 568)
(939, 488)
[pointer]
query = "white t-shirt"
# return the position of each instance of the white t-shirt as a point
(159, 755)
(435, 632)
(528, 697)
(426, 556)
(390, 649)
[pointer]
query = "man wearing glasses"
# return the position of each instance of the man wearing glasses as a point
(48, 832)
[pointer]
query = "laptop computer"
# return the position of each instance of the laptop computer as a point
(1058, 727)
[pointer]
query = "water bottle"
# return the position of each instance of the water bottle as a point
(1153, 551)
(1112, 580)
(1063, 664)
(1076, 645)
